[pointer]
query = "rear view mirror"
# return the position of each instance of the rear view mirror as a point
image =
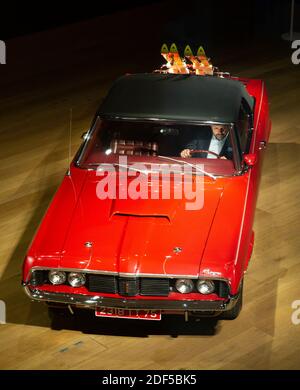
(167, 131)
(250, 159)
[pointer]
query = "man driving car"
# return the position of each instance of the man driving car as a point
(216, 141)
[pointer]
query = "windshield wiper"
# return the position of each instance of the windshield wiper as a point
(191, 165)
(148, 171)
(144, 171)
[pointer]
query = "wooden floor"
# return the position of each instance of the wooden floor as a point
(34, 122)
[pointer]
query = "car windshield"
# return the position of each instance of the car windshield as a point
(159, 142)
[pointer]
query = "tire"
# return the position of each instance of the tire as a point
(233, 313)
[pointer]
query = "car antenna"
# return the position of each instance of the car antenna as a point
(70, 141)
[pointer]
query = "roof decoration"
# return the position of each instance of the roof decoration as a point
(175, 64)
(195, 64)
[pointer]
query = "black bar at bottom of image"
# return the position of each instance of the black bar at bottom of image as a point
(138, 378)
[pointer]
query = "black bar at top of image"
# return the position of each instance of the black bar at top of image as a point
(137, 378)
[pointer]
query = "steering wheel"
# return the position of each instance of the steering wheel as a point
(204, 151)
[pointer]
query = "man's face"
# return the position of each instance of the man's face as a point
(220, 131)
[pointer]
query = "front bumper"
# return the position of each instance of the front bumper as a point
(93, 302)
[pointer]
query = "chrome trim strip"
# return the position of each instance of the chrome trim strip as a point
(258, 116)
(86, 271)
(89, 134)
(125, 274)
(93, 302)
(172, 121)
(248, 182)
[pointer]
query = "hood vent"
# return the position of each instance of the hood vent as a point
(165, 217)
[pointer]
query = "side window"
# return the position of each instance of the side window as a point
(244, 127)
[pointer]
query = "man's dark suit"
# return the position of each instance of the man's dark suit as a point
(204, 143)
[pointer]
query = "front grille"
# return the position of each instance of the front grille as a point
(38, 277)
(222, 289)
(128, 286)
(151, 286)
(110, 284)
(102, 283)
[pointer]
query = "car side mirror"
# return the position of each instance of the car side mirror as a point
(84, 135)
(250, 159)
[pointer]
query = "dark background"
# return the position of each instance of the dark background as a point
(212, 19)
(67, 42)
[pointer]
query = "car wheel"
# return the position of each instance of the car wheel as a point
(233, 313)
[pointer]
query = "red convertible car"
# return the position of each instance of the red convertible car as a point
(112, 243)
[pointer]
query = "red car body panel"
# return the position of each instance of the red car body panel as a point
(218, 239)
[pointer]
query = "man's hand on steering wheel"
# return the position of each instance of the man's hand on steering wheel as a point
(186, 153)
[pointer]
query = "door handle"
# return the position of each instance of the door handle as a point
(262, 145)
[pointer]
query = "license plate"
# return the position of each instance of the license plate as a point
(131, 314)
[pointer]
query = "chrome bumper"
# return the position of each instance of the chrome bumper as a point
(93, 302)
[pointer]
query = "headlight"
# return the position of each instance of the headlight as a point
(57, 277)
(205, 286)
(76, 279)
(184, 286)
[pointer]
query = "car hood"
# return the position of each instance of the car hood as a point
(142, 236)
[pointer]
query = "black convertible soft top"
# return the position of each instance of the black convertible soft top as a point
(175, 97)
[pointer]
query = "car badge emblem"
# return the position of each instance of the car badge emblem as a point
(177, 249)
(88, 244)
